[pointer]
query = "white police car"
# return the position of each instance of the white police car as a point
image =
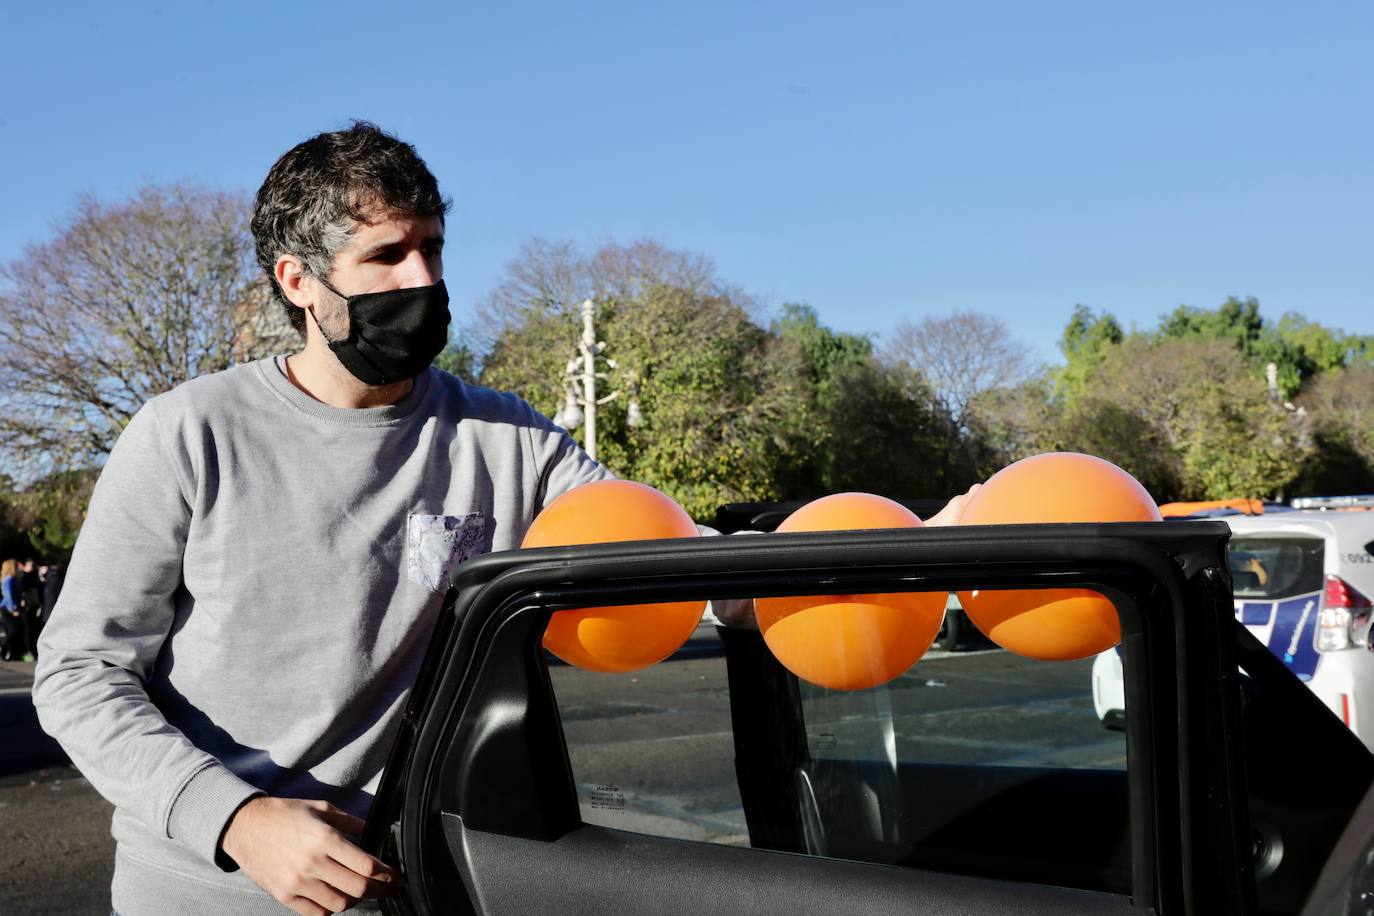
(1302, 581)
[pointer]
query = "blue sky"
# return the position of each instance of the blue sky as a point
(878, 160)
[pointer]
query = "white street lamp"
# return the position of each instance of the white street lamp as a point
(570, 417)
(582, 373)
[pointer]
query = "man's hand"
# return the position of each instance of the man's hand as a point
(298, 851)
(954, 509)
(735, 612)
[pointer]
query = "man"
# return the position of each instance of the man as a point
(31, 600)
(267, 548)
(52, 587)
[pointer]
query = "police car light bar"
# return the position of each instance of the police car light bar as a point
(1334, 502)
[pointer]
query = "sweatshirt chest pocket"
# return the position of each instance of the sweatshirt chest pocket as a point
(437, 544)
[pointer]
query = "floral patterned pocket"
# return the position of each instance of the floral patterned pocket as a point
(436, 544)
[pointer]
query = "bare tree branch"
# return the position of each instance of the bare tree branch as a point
(127, 301)
(552, 278)
(960, 356)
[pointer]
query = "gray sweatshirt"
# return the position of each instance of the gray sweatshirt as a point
(250, 597)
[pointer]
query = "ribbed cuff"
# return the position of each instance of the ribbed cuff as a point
(203, 808)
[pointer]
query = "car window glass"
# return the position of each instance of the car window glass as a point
(1276, 567)
(973, 761)
(977, 705)
(651, 750)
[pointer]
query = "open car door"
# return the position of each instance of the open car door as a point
(520, 786)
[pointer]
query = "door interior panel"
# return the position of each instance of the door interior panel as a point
(595, 870)
(1305, 772)
(1063, 827)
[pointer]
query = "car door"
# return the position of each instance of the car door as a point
(490, 804)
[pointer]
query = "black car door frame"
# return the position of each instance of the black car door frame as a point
(478, 805)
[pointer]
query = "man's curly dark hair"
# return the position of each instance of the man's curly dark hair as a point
(317, 193)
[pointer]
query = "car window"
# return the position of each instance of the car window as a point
(975, 761)
(651, 750)
(1276, 567)
(981, 706)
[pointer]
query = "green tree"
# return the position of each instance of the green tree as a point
(821, 360)
(868, 425)
(1087, 343)
(1190, 417)
(13, 541)
(527, 325)
(1235, 321)
(887, 434)
(1302, 350)
(1014, 423)
(718, 399)
(715, 396)
(1186, 407)
(1340, 403)
(1299, 349)
(826, 353)
(49, 512)
(731, 410)
(1127, 437)
(458, 359)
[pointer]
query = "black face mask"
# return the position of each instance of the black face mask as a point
(392, 335)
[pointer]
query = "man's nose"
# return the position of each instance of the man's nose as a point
(416, 271)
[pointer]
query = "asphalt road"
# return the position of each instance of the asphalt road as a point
(651, 751)
(56, 855)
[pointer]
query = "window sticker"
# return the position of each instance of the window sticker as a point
(608, 798)
(436, 544)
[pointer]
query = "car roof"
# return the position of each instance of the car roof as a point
(1352, 528)
(1347, 536)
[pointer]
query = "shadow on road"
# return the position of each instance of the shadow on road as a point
(25, 747)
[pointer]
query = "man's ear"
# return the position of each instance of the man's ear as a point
(297, 285)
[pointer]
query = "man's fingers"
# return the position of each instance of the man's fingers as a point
(359, 862)
(344, 880)
(353, 884)
(297, 850)
(954, 509)
(306, 907)
(330, 898)
(341, 820)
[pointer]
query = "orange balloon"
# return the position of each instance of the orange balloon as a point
(850, 642)
(624, 637)
(1053, 624)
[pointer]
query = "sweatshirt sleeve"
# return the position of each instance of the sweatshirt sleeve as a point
(103, 640)
(562, 463)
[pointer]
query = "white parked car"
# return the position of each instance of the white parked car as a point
(1302, 581)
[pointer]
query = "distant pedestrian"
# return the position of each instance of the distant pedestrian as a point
(51, 578)
(17, 642)
(30, 600)
(52, 587)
